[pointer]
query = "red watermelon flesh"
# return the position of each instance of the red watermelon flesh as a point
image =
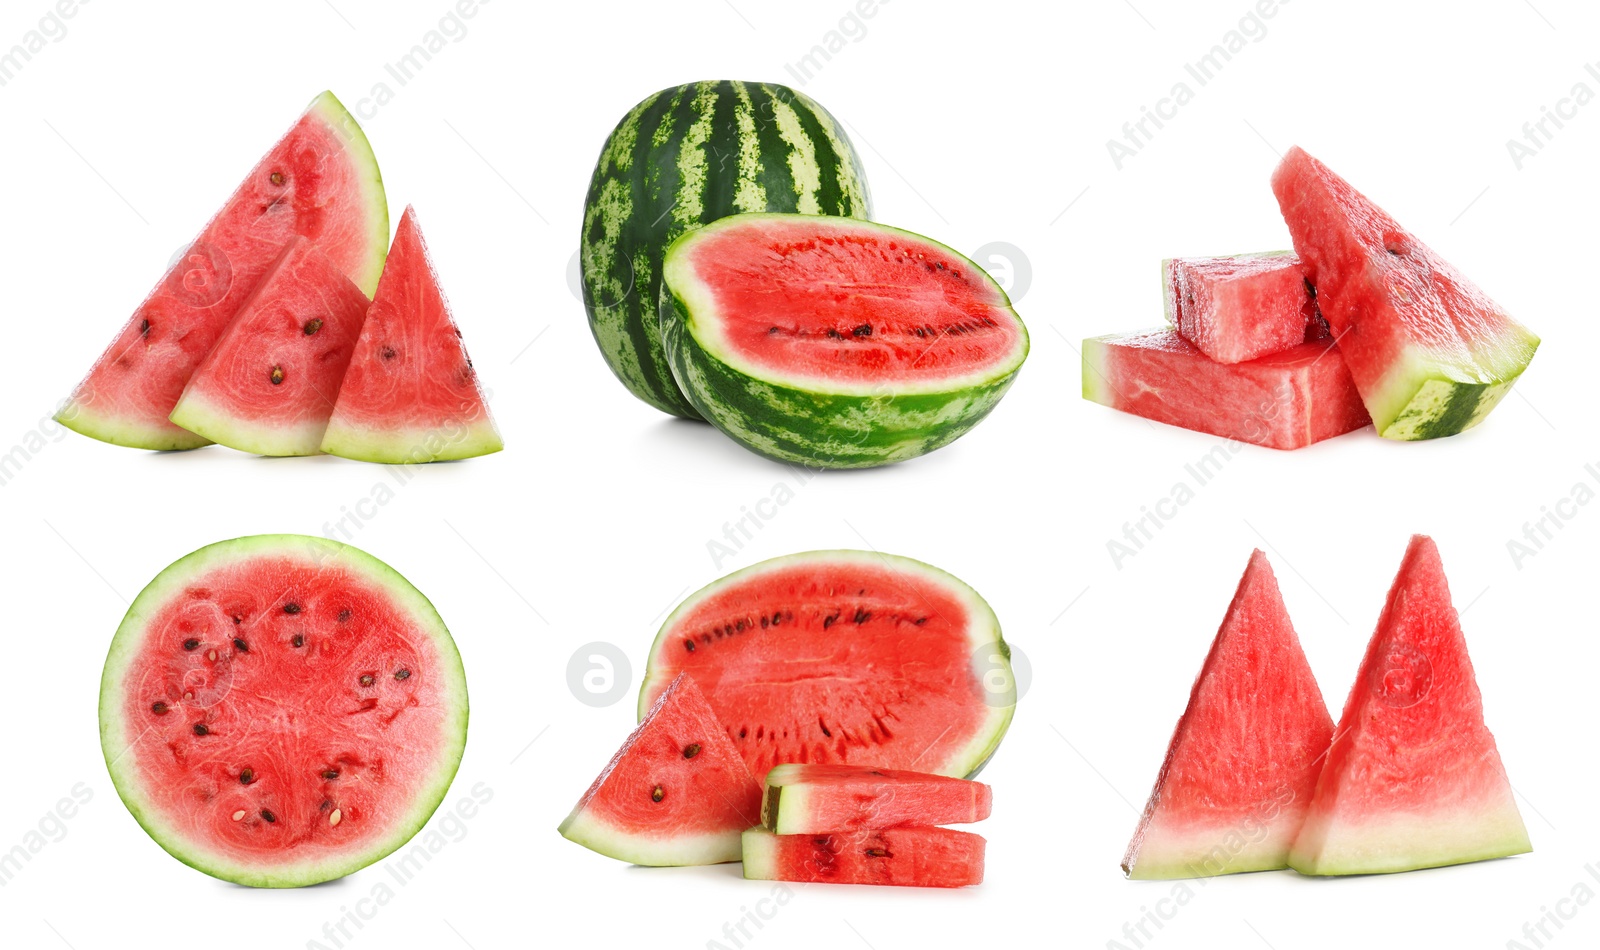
(1244, 759)
(411, 394)
(676, 793)
(1414, 778)
(811, 799)
(1242, 307)
(269, 384)
(908, 857)
(1430, 352)
(320, 182)
(1284, 401)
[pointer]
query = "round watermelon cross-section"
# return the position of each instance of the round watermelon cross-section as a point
(850, 657)
(281, 710)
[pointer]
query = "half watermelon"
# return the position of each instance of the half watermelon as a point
(321, 182)
(281, 710)
(1414, 778)
(848, 657)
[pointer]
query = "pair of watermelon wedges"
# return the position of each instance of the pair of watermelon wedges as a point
(858, 689)
(261, 335)
(1258, 778)
(729, 275)
(1363, 323)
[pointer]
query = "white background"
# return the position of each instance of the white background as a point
(979, 123)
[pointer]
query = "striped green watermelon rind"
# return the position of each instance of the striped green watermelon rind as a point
(682, 158)
(812, 423)
(118, 737)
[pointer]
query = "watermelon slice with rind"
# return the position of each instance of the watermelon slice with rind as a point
(1413, 778)
(814, 799)
(1244, 759)
(1430, 352)
(676, 793)
(321, 182)
(411, 394)
(269, 383)
(1241, 307)
(906, 857)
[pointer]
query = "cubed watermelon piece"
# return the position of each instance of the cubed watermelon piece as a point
(1284, 401)
(908, 857)
(811, 798)
(1241, 307)
(1430, 352)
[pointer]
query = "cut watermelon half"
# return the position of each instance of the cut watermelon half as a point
(321, 182)
(1284, 401)
(1244, 759)
(811, 799)
(849, 657)
(676, 793)
(1241, 307)
(834, 342)
(281, 710)
(269, 384)
(1430, 352)
(1414, 779)
(908, 857)
(411, 394)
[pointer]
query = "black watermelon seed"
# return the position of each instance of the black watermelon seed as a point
(877, 853)
(160, 709)
(240, 645)
(691, 750)
(276, 178)
(276, 376)
(389, 353)
(144, 327)
(237, 619)
(330, 774)
(191, 644)
(864, 330)
(312, 326)
(298, 641)
(268, 816)
(200, 729)
(291, 608)
(247, 776)
(402, 674)
(688, 645)
(344, 615)
(658, 793)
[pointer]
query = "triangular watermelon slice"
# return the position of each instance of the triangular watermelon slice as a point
(1430, 352)
(676, 793)
(1413, 779)
(319, 181)
(1243, 762)
(269, 384)
(411, 394)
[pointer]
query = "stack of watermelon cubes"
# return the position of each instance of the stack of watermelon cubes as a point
(1361, 324)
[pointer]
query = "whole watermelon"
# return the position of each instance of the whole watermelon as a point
(682, 158)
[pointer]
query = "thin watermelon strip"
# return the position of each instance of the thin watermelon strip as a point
(321, 182)
(817, 799)
(676, 793)
(1242, 764)
(1414, 778)
(1241, 307)
(906, 857)
(1430, 352)
(411, 393)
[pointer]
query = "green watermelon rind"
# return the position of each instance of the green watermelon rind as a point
(1420, 399)
(630, 218)
(984, 630)
(809, 422)
(129, 638)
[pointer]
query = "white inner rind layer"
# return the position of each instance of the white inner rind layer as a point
(1403, 842)
(201, 416)
(120, 739)
(671, 849)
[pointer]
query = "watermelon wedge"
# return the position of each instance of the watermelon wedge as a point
(1414, 779)
(410, 394)
(817, 799)
(1430, 352)
(1244, 759)
(281, 710)
(908, 857)
(268, 384)
(676, 793)
(833, 342)
(321, 182)
(1284, 401)
(850, 657)
(1241, 307)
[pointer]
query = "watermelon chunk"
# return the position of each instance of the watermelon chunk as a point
(321, 182)
(812, 799)
(1241, 307)
(1430, 352)
(280, 710)
(269, 384)
(848, 657)
(1284, 401)
(1414, 779)
(411, 393)
(1244, 760)
(908, 857)
(676, 793)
